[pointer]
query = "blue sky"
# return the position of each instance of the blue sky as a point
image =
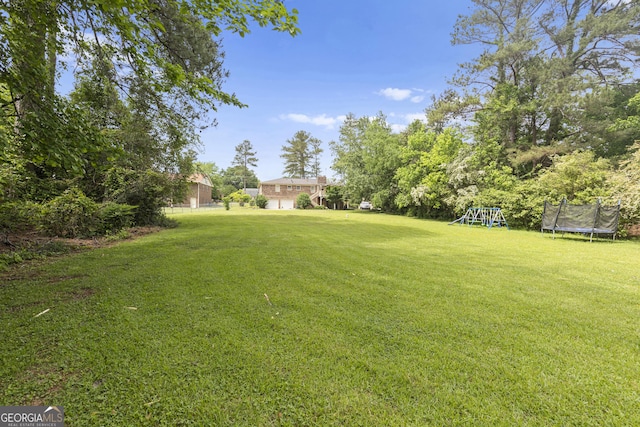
(353, 56)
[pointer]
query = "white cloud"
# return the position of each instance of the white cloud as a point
(397, 128)
(403, 120)
(415, 116)
(414, 95)
(395, 94)
(320, 120)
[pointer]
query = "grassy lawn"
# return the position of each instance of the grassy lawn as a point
(259, 318)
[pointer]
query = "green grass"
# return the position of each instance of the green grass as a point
(370, 320)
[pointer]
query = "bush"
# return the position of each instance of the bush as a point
(261, 201)
(303, 201)
(113, 217)
(71, 214)
(147, 190)
(19, 216)
(240, 196)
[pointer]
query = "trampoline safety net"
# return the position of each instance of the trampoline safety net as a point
(588, 219)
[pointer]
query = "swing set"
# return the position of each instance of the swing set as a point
(488, 217)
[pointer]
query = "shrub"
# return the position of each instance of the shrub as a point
(166, 222)
(147, 190)
(261, 201)
(303, 201)
(18, 216)
(240, 196)
(72, 214)
(113, 217)
(626, 187)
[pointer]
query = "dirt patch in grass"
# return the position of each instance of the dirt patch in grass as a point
(20, 307)
(81, 294)
(18, 248)
(36, 241)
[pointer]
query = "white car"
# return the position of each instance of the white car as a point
(365, 205)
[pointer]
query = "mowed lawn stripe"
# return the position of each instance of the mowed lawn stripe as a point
(249, 317)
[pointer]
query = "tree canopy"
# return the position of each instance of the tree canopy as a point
(245, 157)
(147, 75)
(301, 155)
(550, 70)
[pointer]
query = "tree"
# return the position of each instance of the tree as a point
(366, 158)
(315, 150)
(544, 70)
(301, 155)
(168, 43)
(626, 182)
(334, 195)
(164, 56)
(422, 179)
(245, 157)
(578, 177)
(235, 177)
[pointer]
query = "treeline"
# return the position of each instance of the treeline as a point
(438, 174)
(550, 109)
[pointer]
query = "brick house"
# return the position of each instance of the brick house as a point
(198, 191)
(283, 192)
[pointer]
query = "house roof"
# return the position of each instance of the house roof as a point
(200, 179)
(292, 181)
(295, 181)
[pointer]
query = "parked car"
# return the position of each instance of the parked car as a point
(365, 205)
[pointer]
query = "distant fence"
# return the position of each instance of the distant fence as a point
(187, 209)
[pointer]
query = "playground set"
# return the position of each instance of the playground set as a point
(488, 217)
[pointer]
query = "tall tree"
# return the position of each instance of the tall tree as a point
(301, 155)
(544, 62)
(245, 157)
(165, 53)
(315, 150)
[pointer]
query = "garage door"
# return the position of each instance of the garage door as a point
(273, 204)
(286, 204)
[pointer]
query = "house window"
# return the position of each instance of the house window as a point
(313, 188)
(298, 187)
(277, 188)
(289, 187)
